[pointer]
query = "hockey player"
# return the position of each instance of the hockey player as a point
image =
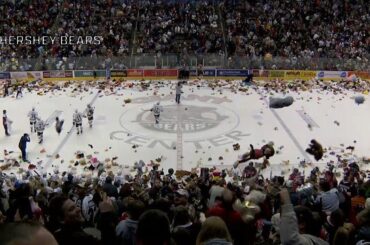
(157, 109)
(40, 127)
(89, 112)
(19, 91)
(33, 115)
(77, 121)
(178, 92)
(6, 88)
(58, 125)
(6, 123)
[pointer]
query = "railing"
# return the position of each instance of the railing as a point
(178, 60)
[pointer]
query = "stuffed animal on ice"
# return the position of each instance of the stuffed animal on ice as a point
(277, 103)
(315, 149)
(359, 99)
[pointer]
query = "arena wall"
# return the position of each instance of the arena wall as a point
(151, 74)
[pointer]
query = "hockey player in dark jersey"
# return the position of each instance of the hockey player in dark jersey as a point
(6, 123)
(19, 91)
(59, 125)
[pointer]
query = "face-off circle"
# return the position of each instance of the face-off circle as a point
(195, 121)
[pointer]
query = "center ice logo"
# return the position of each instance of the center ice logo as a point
(190, 118)
(202, 119)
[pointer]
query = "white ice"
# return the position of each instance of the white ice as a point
(116, 128)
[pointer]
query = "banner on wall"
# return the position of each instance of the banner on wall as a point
(4, 75)
(28, 75)
(161, 73)
(118, 73)
(57, 74)
(273, 73)
(362, 74)
(206, 72)
(260, 73)
(288, 74)
(135, 72)
(83, 73)
(331, 74)
(293, 74)
(232, 73)
(308, 74)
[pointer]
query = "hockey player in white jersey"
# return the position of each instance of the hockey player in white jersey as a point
(77, 121)
(40, 127)
(157, 109)
(33, 115)
(89, 112)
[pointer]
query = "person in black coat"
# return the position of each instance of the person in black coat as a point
(65, 223)
(109, 188)
(23, 145)
(6, 89)
(5, 123)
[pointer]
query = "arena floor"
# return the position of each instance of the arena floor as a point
(196, 133)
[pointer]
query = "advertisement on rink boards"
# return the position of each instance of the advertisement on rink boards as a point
(4, 75)
(58, 74)
(260, 73)
(331, 74)
(135, 72)
(206, 72)
(161, 73)
(295, 74)
(89, 73)
(232, 73)
(276, 73)
(118, 73)
(83, 73)
(361, 74)
(26, 75)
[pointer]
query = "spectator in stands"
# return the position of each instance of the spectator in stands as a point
(297, 225)
(214, 231)
(126, 229)
(109, 188)
(231, 217)
(64, 211)
(25, 233)
(328, 199)
(153, 229)
(184, 231)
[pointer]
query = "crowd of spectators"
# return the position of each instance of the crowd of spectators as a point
(298, 29)
(112, 22)
(187, 208)
(180, 28)
(19, 18)
(323, 32)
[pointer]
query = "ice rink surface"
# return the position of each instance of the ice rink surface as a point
(199, 132)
